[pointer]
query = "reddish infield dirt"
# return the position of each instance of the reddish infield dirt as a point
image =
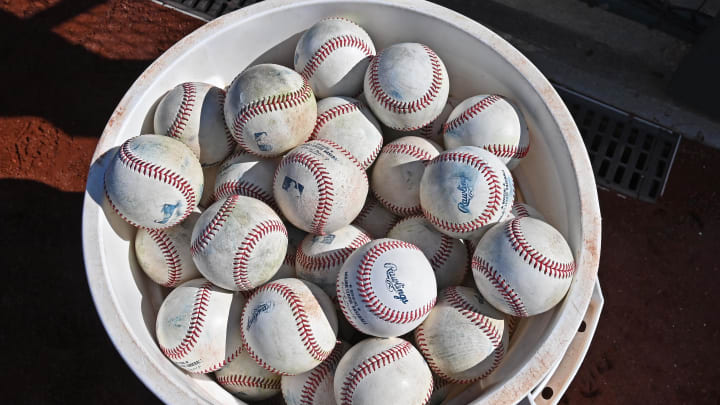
(66, 64)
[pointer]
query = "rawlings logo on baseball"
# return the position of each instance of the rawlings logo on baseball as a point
(393, 284)
(466, 194)
(263, 307)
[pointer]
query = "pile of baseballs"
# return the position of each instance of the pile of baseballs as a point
(318, 224)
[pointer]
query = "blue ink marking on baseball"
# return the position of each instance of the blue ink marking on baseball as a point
(324, 239)
(261, 140)
(393, 284)
(290, 184)
(466, 194)
(168, 210)
(261, 308)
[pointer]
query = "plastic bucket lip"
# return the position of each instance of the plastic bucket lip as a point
(167, 382)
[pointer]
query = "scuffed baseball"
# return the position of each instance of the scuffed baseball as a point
(289, 326)
(349, 123)
(333, 56)
(245, 379)
(396, 175)
(431, 131)
(239, 243)
(460, 334)
(197, 326)
(270, 109)
(246, 174)
(320, 257)
(386, 288)
(314, 387)
(153, 181)
(375, 219)
(523, 267)
(464, 190)
(491, 122)
(319, 187)
(406, 86)
(164, 254)
(383, 371)
(192, 112)
(448, 257)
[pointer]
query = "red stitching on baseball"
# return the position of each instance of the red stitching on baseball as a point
(218, 366)
(367, 293)
(396, 209)
(370, 204)
(512, 323)
(332, 113)
(170, 253)
(405, 107)
(332, 258)
(333, 44)
(116, 210)
(507, 151)
(407, 149)
(501, 285)
(230, 142)
(368, 366)
(167, 176)
(471, 112)
(494, 195)
(265, 105)
(247, 189)
(247, 246)
(249, 381)
(318, 374)
(184, 111)
(324, 183)
(214, 225)
(197, 321)
(443, 253)
(301, 322)
(521, 211)
(536, 259)
(370, 159)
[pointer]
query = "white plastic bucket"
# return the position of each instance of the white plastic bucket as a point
(556, 176)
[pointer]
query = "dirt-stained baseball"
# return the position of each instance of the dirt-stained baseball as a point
(314, 387)
(246, 174)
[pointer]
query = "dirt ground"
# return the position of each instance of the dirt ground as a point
(66, 64)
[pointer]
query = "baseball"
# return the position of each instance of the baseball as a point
(246, 174)
(164, 254)
(523, 267)
(244, 378)
(395, 178)
(319, 187)
(406, 86)
(289, 326)
(270, 109)
(464, 190)
(448, 257)
(520, 210)
(386, 288)
(383, 371)
(192, 113)
(492, 122)
(350, 124)
(333, 55)
(461, 332)
(320, 257)
(314, 387)
(239, 243)
(209, 176)
(197, 326)
(431, 131)
(153, 181)
(374, 218)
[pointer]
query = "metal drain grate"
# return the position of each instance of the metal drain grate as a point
(206, 9)
(628, 154)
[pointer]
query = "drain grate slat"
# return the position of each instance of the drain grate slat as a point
(628, 154)
(207, 9)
